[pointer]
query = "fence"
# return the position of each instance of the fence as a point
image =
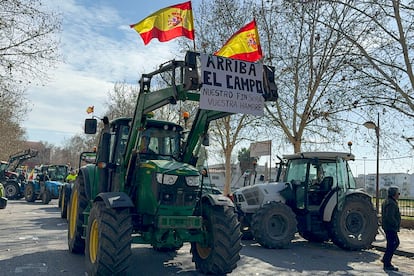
(406, 206)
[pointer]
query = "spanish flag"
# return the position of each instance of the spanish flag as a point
(90, 109)
(167, 23)
(243, 45)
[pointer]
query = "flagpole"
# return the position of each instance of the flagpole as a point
(194, 45)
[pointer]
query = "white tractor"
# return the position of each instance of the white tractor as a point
(315, 195)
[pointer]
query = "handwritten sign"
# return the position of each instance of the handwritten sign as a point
(231, 85)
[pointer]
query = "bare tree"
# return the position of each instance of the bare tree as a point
(384, 44)
(28, 48)
(29, 42)
(316, 92)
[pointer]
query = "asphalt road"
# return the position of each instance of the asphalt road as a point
(33, 242)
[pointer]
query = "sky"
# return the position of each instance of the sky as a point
(98, 48)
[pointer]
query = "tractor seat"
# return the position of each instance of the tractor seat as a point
(326, 184)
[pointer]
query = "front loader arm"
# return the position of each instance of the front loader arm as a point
(198, 131)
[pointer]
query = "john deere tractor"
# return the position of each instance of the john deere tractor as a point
(144, 186)
(316, 195)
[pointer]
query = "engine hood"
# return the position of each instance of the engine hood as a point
(170, 167)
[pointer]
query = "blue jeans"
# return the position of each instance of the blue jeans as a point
(392, 243)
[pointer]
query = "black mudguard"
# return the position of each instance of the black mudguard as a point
(115, 199)
(219, 200)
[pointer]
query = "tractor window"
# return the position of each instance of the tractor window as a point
(351, 179)
(296, 170)
(160, 142)
(118, 143)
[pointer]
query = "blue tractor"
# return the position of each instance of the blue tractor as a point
(47, 183)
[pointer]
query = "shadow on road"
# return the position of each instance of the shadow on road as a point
(53, 262)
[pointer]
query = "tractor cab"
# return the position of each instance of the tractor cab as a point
(316, 176)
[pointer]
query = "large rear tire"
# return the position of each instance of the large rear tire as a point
(355, 226)
(30, 193)
(223, 237)
(108, 240)
(274, 225)
(78, 203)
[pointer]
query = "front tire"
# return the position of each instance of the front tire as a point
(108, 240)
(274, 225)
(223, 237)
(78, 203)
(64, 199)
(355, 226)
(46, 197)
(30, 193)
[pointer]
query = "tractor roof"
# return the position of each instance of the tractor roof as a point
(321, 155)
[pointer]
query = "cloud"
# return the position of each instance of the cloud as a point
(98, 48)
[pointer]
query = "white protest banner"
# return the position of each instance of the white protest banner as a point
(260, 148)
(231, 85)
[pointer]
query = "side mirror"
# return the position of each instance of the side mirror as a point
(204, 172)
(206, 140)
(90, 126)
(270, 93)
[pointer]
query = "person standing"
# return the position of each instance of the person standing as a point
(391, 219)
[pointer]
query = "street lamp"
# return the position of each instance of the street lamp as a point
(372, 125)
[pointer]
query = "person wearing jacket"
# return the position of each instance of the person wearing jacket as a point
(391, 219)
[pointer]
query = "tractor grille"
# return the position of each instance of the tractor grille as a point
(178, 194)
(251, 196)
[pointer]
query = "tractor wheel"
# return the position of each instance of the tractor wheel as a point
(60, 197)
(108, 240)
(64, 199)
(355, 226)
(222, 230)
(78, 203)
(314, 237)
(29, 192)
(274, 225)
(3, 202)
(46, 197)
(12, 190)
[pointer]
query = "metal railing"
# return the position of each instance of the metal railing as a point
(406, 206)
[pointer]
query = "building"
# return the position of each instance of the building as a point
(402, 180)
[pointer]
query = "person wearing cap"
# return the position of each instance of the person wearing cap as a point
(391, 219)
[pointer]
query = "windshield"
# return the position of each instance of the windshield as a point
(57, 173)
(156, 141)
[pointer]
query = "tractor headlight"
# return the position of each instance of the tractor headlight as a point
(167, 179)
(192, 180)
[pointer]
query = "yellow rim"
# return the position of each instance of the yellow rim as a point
(63, 201)
(203, 252)
(73, 214)
(93, 241)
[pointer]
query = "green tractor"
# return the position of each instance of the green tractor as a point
(3, 199)
(145, 188)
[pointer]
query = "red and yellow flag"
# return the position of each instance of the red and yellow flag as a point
(167, 23)
(90, 109)
(243, 45)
